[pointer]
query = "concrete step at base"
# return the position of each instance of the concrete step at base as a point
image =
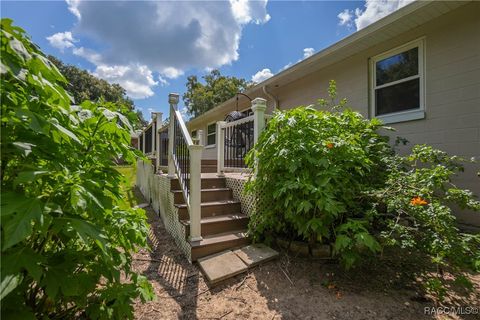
(210, 209)
(208, 195)
(219, 224)
(217, 243)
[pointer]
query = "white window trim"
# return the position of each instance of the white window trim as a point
(208, 146)
(407, 115)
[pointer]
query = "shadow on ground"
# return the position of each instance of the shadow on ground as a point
(287, 288)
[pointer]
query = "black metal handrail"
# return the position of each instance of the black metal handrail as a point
(163, 152)
(149, 140)
(238, 141)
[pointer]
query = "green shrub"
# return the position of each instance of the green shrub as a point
(330, 176)
(419, 195)
(312, 169)
(66, 244)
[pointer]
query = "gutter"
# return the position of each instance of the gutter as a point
(270, 96)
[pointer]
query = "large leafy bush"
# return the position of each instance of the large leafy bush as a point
(312, 169)
(66, 244)
(329, 176)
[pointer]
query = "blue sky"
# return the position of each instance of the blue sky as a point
(151, 47)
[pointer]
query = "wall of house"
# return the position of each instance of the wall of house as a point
(452, 90)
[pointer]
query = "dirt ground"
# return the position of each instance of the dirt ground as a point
(286, 288)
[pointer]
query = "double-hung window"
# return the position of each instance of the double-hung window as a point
(397, 83)
(211, 134)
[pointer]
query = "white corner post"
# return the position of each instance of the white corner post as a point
(195, 197)
(259, 105)
(220, 148)
(173, 101)
(158, 124)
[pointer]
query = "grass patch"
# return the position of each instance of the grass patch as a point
(128, 185)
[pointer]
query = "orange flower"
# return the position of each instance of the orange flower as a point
(330, 145)
(417, 201)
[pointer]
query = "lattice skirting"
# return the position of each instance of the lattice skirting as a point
(249, 202)
(156, 189)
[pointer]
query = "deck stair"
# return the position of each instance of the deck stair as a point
(223, 224)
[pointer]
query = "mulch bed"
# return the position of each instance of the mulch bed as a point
(287, 288)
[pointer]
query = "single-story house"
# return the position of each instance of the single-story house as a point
(432, 97)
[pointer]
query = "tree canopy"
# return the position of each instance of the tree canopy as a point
(217, 88)
(82, 85)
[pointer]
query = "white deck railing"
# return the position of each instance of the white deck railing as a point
(184, 163)
(236, 138)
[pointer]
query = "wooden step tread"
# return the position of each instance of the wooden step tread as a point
(213, 219)
(205, 190)
(208, 204)
(203, 178)
(219, 238)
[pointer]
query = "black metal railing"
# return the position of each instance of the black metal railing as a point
(164, 147)
(238, 141)
(149, 140)
(181, 157)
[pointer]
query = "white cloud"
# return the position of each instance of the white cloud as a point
(90, 55)
(62, 40)
(345, 17)
(184, 112)
(308, 52)
(171, 72)
(163, 38)
(374, 10)
(162, 81)
(288, 65)
(246, 11)
(136, 79)
(72, 6)
(168, 37)
(262, 75)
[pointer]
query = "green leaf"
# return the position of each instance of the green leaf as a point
(65, 131)
(9, 283)
(19, 226)
(25, 147)
(23, 259)
(367, 240)
(22, 314)
(87, 230)
(28, 176)
(342, 242)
